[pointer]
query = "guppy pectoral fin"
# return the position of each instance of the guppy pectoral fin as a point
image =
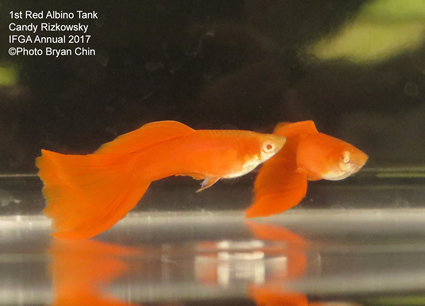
(208, 182)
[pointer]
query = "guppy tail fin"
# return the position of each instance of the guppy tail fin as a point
(279, 186)
(87, 194)
(276, 190)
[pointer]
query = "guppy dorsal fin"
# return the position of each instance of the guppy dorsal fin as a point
(144, 137)
(289, 129)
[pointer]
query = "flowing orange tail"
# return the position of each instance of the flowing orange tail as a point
(279, 186)
(88, 194)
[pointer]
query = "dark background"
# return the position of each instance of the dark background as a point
(209, 64)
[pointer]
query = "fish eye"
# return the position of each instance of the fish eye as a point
(268, 146)
(346, 157)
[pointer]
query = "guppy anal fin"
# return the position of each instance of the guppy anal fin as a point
(208, 182)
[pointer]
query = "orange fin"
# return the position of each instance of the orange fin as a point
(288, 129)
(87, 194)
(196, 176)
(278, 198)
(207, 183)
(146, 136)
(278, 186)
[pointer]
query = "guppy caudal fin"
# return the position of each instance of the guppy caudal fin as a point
(87, 194)
(279, 186)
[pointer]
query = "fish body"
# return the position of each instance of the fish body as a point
(206, 154)
(308, 155)
(88, 194)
